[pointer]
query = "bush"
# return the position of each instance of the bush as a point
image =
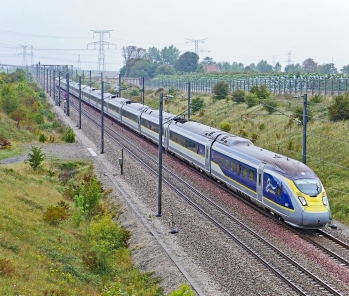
(260, 91)
(56, 214)
(42, 138)
(251, 100)
(298, 113)
(270, 106)
(225, 126)
(238, 96)
(35, 157)
(105, 238)
(339, 110)
(197, 104)
(316, 99)
(221, 90)
(69, 135)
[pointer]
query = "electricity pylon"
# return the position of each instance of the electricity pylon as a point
(101, 43)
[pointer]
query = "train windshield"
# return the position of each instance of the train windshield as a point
(310, 187)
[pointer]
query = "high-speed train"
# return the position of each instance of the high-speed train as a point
(286, 187)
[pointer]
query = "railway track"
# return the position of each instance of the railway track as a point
(302, 281)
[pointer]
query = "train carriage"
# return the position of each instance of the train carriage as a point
(131, 115)
(192, 141)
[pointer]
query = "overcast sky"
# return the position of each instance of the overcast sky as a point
(234, 30)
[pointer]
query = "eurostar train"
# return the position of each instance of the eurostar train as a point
(287, 188)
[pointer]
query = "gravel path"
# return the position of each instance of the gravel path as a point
(206, 260)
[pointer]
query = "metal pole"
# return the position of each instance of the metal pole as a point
(160, 156)
(119, 85)
(102, 115)
(54, 86)
(43, 84)
(59, 88)
(188, 100)
(80, 102)
(90, 79)
(304, 138)
(50, 83)
(143, 90)
(67, 91)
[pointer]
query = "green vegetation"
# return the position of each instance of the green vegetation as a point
(42, 250)
(221, 90)
(25, 115)
(35, 157)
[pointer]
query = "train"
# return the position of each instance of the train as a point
(285, 187)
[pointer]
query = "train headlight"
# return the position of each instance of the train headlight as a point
(302, 200)
(325, 200)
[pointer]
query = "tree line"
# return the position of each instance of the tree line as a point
(140, 62)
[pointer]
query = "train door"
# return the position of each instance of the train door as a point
(165, 141)
(260, 182)
(207, 156)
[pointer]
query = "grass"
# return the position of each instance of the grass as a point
(37, 258)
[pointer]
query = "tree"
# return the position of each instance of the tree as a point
(251, 68)
(221, 90)
(238, 96)
(264, 67)
(339, 110)
(327, 69)
(165, 70)
(345, 69)
(35, 157)
(154, 56)
(277, 67)
(187, 62)
(293, 68)
(142, 68)
(224, 66)
(237, 67)
(309, 66)
(169, 55)
(260, 91)
(129, 52)
(197, 104)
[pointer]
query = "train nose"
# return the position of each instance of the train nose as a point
(315, 219)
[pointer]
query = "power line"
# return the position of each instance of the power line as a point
(101, 43)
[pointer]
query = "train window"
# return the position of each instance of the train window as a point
(238, 169)
(251, 175)
(233, 165)
(278, 191)
(244, 172)
(227, 164)
(221, 161)
(260, 179)
(206, 152)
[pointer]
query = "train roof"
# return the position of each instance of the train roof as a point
(197, 128)
(290, 167)
(153, 114)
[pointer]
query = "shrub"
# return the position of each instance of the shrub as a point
(298, 113)
(270, 106)
(197, 104)
(42, 138)
(225, 126)
(221, 90)
(105, 238)
(69, 135)
(339, 110)
(238, 96)
(251, 100)
(316, 99)
(35, 157)
(260, 91)
(55, 214)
